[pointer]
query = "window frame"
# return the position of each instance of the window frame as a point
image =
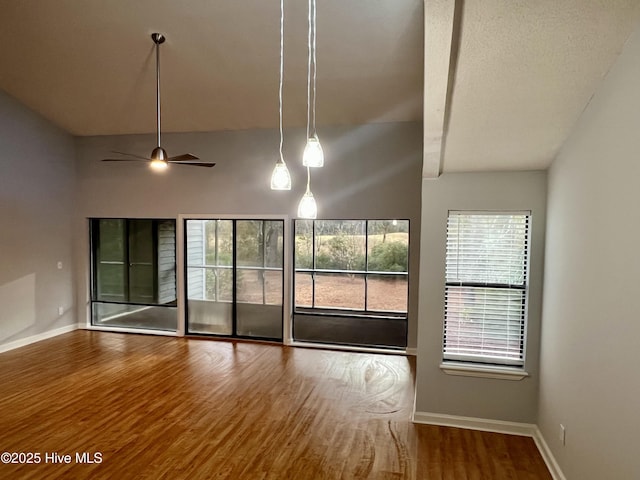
(491, 366)
(365, 273)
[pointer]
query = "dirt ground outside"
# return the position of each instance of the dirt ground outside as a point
(348, 291)
(333, 291)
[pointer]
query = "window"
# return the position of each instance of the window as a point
(486, 287)
(352, 265)
(210, 260)
(133, 273)
(259, 258)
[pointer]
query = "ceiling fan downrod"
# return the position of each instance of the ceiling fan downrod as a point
(158, 38)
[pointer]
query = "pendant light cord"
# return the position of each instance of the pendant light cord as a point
(281, 74)
(158, 91)
(311, 48)
(314, 67)
(309, 72)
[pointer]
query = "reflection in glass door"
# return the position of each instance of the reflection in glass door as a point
(209, 254)
(235, 277)
(259, 278)
(142, 284)
(133, 274)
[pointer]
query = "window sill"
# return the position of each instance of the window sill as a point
(481, 371)
(338, 312)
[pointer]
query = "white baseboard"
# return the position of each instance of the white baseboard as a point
(471, 423)
(495, 426)
(37, 338)
(547, 456)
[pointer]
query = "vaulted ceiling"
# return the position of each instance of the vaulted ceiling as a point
(498, 83)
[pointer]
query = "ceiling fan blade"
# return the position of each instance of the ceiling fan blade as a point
(181, 158)
(124, 160)
(194, 164)
(130, 155)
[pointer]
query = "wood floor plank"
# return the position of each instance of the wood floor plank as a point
(174, 408)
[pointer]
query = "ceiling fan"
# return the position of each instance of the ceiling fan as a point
(159, 159)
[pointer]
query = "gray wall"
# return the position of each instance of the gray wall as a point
(37, 183)
(371, 171)
(591, 328)
(440, 393)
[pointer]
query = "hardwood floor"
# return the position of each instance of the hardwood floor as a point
(173, 408)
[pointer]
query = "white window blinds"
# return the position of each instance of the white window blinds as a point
(486, 285)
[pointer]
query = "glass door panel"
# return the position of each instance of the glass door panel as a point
(142, 285)
(209, 252)
(110, 260)
(259, 246)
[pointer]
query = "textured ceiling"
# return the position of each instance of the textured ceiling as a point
(524, 72)
(504, 81)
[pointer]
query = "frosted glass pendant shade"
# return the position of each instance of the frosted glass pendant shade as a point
(280, 178)
(307, 207)
(313, 155)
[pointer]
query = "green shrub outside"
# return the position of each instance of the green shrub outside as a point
(389, 257)
(384, 257)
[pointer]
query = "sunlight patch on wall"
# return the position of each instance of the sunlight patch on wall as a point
(18, 300)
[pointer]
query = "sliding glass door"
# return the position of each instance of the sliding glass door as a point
(234, 277)
(133, 274)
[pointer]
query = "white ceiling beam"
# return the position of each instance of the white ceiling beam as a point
(441, 32)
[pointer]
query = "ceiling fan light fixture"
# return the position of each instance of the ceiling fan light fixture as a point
(159, 160)
(313, 156)
(159, 153)
(158, 165)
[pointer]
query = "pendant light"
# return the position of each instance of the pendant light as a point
(307, 208)
(280, 178)
(313, 155)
